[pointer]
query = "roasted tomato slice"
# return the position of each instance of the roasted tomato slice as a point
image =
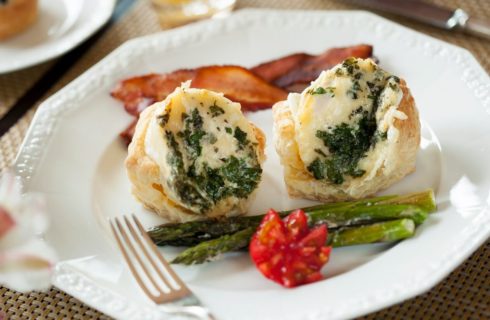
(287, 251)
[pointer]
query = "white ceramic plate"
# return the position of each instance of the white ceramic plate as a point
(61, 25)
(72, 153)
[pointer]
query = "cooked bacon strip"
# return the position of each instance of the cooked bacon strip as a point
(137, 93)
(237, 83)
(240, 85)
(308, 67)
(271, 70)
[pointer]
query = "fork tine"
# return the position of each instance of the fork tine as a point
(146, 253)
(169, 269)
(184, 301)
(138, 258)
(129, 262)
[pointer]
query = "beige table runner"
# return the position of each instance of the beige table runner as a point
(464, 294)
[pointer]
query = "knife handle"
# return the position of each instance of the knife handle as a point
(478, 27)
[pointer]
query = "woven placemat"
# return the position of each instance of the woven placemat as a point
(464, 294)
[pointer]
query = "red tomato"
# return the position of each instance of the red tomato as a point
(288, 252)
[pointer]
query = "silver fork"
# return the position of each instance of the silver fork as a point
(153, 273)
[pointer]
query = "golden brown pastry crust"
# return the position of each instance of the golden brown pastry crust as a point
(16, 16)
(399, 157)
(144, 174)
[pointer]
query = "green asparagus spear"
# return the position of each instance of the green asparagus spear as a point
(191, 233)
(377, 232)
(210, 249)
(334, 214)
(341, 217)
(424, 200)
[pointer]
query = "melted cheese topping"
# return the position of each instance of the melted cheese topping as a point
(343, 95)
(211, 121)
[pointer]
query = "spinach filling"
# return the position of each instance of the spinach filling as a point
(200, 185)
(216, 110)
(192, 133)
(349, 143)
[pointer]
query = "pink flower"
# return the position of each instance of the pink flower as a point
(26, 261)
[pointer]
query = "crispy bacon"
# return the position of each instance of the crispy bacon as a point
(303, 68)
(137, 93)
(237, 83)
(240, 85)
(271, 70)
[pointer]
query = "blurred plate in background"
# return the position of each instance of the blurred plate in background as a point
(61, 25)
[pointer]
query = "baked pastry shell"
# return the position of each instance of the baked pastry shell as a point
(400, 157)
(144, 174)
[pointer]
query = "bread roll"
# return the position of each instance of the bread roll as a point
(354, 131)
(16, 16)
(194, 155)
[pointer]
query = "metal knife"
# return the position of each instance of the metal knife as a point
(433, 14)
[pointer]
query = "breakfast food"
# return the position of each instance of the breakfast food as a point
(354, 131)
(16, 16)
(194, 155)
(297, 70)
(235, 82)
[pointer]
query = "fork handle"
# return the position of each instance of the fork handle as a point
(197, 312)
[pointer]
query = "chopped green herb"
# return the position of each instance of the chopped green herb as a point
(351, 94)
(229, 130)
(395, 78)
(243, 176)
(163, 119)
(211, 138)
(356, 86)
(357, 111)
(347, 144)
(320, 152)
(192, 133)
(241, 136)
(381, 136)
(174, 158)
(325, 169)
(216, 110)
(318, 169)
(321, 90)
(339, 72)
(350, 64)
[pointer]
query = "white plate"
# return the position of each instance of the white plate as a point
(61, 25)
(72, 153)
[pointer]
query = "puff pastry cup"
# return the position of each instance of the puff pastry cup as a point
(194, 156)
(353, 132)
